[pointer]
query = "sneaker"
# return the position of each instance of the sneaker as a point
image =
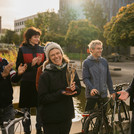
(39, 132)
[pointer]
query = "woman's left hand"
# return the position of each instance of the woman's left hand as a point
(69, 93)
(72, 88)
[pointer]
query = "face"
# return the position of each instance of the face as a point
(97, 51)
(56, 56)
(34, 39)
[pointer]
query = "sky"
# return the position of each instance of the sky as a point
(11, 10)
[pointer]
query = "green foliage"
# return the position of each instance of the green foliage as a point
(55, 38)
(120, 30)
(76, 56)
(81, 32)
(66, 16)
(10, 37)
(94, 12)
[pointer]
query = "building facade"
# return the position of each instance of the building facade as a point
(20, 23)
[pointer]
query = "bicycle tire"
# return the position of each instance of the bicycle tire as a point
(94, 125)
(123, 117)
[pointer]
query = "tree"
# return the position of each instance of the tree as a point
(94, 13)
(120, 29)
(66, 16)
(10, 37)
(47, 22)
(80, 33)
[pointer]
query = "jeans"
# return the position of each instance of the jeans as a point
(27, 122)
(6, 114)
(91, 102)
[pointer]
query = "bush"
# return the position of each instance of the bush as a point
(10, 56)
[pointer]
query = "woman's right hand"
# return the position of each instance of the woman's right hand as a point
(93, 92)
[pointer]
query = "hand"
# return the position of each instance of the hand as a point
(73, 86)
(94, 92)
(113, 96)
(69, 93)
(39, 59)
(123, 95)
(7, 69)
(22, 68)
(71, 90)
(34, 61)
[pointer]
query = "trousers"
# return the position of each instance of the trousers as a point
(27, 122)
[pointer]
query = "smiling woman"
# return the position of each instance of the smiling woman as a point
(55, 102)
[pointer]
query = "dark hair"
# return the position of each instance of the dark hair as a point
(29, 33)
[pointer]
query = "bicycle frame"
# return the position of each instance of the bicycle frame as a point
(6, 125)
(116, 105)
(100, 112)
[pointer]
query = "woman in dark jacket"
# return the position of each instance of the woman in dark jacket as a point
(55, 102)
(32, 54)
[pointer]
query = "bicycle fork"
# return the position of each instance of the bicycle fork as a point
(83, 121)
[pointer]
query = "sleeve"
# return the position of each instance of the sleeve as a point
(19, 58)
(13, 75)
(86, 76)
(44, 95)
(130, 89)
(109, 81)
(4, 62)
(39, 71)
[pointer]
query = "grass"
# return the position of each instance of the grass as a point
(77, 56)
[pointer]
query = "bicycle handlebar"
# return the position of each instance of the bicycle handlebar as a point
(118, 87)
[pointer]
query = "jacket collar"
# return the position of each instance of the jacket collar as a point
(90, 57)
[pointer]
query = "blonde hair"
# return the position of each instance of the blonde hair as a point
(93, 43)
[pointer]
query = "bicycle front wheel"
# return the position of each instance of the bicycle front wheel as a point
(123, 117)
(94, 124)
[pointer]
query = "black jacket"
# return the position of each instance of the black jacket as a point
(130, 90)
(6, 90)
(28, 92)
(25, 55)
(54, 106)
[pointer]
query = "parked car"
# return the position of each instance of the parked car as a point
(115, 57)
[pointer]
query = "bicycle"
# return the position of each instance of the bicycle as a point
(19, 116)
(96, 121)
(121, 120)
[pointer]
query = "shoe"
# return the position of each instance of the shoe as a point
(39, 132)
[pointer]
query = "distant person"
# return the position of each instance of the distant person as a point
(55, 102)
(124, 95)
(32, 54)
(96, 75)
(8, 75)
